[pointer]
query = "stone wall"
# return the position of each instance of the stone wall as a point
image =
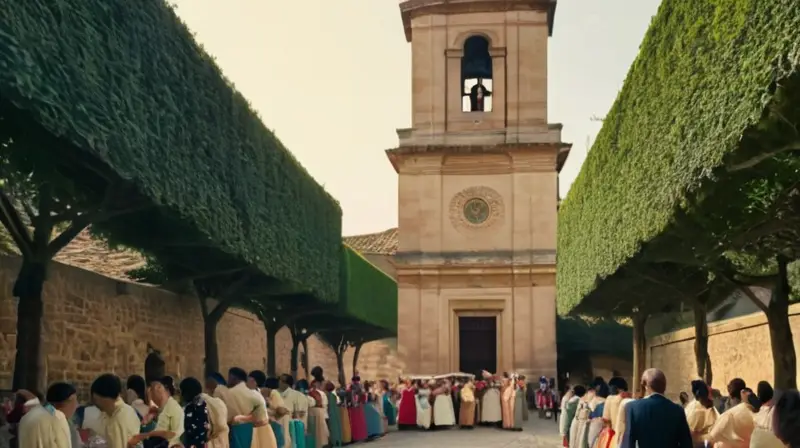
(738, 347)
(94, 324)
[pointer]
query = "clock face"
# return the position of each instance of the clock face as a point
(476, 211)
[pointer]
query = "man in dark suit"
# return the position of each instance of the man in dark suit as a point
(655, 421)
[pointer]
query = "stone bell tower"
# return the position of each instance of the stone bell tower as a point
(478, 190)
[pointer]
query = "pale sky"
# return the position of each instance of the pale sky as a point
(333, 80)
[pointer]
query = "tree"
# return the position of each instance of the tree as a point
(43, 209)
(339, 343)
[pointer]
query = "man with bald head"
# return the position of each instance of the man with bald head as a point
(655, 421)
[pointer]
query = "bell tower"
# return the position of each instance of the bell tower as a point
(478, 190)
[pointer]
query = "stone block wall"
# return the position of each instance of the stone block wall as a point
(738, 347)
(92, 326)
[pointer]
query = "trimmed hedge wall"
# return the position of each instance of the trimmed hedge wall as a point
(706, 73)
(368, 294)
(126, 83)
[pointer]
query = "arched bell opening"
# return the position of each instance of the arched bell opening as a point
(476, 76)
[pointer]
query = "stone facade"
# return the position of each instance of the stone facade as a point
(739, 348)
(95, 324)
(503, 162)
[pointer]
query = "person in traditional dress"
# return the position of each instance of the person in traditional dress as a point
(371, 413)
(317, 415)
(333, 417)
(407, 409)
(219, 433)
(443, 412)
(734, 428)
(572, 402)
(249, 426)
(519, 403)
(618, 390)
(196, 420)
(580, 422)
(169, 424)
(389, 411)
(279, 414)
(135, 395)
(358, 421)
(455, 396)
(466, 415)
(491, 410)
(596, 422)
(507, 398)
(622, 420)
(118, 422)
(344, 398)
(544, 398)
(424, 411)
(700, 412)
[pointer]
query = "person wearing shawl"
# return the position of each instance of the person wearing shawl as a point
(358, 422)
(407, 409)
(219, 433)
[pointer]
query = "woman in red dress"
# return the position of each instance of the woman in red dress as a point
(358, 421)
(407, 413)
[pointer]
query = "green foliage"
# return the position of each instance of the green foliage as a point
(368, 294)
(714, 85)
(124, 85)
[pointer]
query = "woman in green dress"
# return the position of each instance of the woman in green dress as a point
(334, 419)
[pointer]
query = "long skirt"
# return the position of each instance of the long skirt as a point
(334, 421)
(507, 412)
(389, 411)
(264, 437)
(241, 435)
(455, 397)
(347, 433)
(424, 414)
(443, 413)
(222, 440)
(606, 435)
(286, 424)
(490, 406)
(358, 423)
(374, 421)
(277, 430)
(519, 408)
(316, 416)
(407, 410)
(466, 415)
(298, 433)
(311, 432)
(593, 431)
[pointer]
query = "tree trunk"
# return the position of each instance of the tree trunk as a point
(293, 362)
(340, 366)
(639, 351)
(355, 357)
(780, 332)
(701, 356)
(304, 360)
(30, 311)
(210, 340)
(272, 332)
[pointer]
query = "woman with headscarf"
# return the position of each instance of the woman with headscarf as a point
(700, 412)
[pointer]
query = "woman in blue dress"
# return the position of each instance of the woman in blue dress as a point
(372, 414)
(388, 407)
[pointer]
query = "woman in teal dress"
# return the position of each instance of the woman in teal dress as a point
(388, 407)
(334, 419)
(372, 417)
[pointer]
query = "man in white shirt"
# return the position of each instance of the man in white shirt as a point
(47, 426)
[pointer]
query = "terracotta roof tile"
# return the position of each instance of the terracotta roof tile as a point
(383, 243)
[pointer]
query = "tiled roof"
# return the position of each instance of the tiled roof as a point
(383, 243)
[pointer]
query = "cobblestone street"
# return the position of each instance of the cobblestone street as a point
(536, 434)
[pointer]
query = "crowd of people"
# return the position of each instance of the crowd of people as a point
(607, 415)
(242, 411)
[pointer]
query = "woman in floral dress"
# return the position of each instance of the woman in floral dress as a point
(196, 422)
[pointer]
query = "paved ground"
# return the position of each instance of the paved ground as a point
(536, 434)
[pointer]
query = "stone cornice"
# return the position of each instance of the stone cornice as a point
(415, 8)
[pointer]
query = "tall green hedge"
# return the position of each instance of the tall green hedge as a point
(706, 72)
(126, 83)
(368, 294)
